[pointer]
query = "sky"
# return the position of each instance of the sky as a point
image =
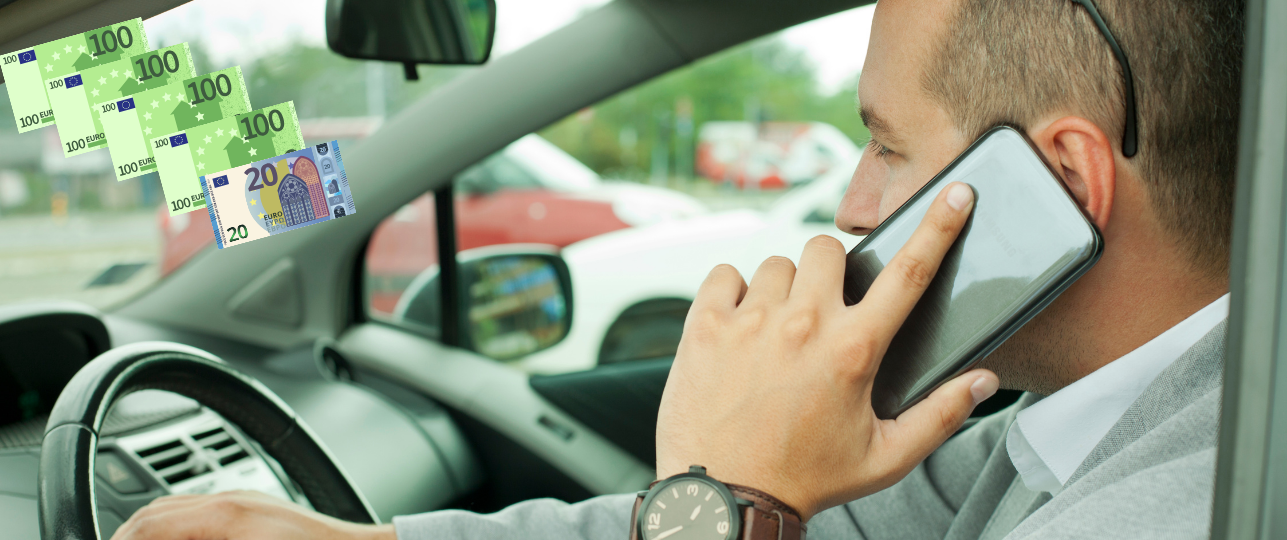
(836, 44)
(236, 31)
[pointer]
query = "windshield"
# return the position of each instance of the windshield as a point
(70, 231)
(738, 156)
(556, 169)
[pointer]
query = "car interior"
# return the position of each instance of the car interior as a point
(260, 368)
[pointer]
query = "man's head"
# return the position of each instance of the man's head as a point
(939, 74)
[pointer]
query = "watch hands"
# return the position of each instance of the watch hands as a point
(668, 533)
(695, 512)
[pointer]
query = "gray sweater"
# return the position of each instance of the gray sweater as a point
(1151, 476)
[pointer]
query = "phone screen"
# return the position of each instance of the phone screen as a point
(1025, 242)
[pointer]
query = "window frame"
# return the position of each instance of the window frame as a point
(1251, 466)
(1247, 479)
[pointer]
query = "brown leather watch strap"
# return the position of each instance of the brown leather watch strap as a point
(767, 518)
(634, 514)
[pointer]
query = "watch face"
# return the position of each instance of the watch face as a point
(687, 509)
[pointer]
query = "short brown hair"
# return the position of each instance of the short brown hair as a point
(1012, 61)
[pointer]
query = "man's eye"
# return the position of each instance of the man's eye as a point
(877, 148)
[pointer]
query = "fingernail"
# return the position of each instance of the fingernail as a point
(959, 196)
(983, 388)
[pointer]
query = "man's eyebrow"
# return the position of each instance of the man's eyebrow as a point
(877, 125)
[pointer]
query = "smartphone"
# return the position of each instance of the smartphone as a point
(1026, 241)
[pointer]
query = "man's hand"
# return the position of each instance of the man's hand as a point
(771, 386)
(240, 515)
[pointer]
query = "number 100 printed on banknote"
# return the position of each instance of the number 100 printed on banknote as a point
(278, 194)
(26, 70)
(131, 123)
(73, 98)
(183, 156)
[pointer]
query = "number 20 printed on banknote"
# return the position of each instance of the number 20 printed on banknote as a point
(278, 194)
(184, 156)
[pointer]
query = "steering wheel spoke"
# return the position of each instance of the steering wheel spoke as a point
(69, 487)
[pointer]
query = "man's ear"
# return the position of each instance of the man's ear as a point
(1084, 158)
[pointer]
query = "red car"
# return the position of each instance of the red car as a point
(561, 201)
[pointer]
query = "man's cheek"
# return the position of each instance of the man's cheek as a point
(898, 193)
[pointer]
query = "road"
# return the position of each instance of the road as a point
(47, 258)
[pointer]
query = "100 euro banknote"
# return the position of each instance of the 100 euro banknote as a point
(278, 194)
(26, 70)
(74, 97)
(182, 157)
(132, 122)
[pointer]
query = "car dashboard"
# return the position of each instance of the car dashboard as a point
(406, 457)
(153, 444)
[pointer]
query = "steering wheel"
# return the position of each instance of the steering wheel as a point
(66, 494)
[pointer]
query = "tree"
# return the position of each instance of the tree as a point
(325, 84)
(765, 80)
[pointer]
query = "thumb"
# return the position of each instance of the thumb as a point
(922, 428)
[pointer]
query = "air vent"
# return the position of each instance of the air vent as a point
(221, 445)
(171, 461)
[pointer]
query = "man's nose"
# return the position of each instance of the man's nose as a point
(859, 210)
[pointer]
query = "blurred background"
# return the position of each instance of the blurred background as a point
(737, 131)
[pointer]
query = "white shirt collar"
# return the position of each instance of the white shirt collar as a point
(1050, 439)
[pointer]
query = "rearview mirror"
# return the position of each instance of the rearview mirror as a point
(516, 300)
(412, 31)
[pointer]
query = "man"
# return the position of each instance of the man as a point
(771, 385)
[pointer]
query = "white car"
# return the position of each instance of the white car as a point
(532, 162)
(544, 194)
(633, 287)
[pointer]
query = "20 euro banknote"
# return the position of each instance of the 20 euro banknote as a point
(278, 194)
(185, 155)
(131, 123)
(26, 70)
(73, 98)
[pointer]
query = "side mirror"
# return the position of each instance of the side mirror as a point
(412, 31)
(516, 300)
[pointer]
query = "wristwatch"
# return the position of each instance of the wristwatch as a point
(694, 506)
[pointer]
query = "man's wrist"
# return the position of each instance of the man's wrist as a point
(356, 531)
(803, 506)
(752, 513)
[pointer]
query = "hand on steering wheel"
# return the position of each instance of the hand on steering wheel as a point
(66, 500)
(242, 515)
